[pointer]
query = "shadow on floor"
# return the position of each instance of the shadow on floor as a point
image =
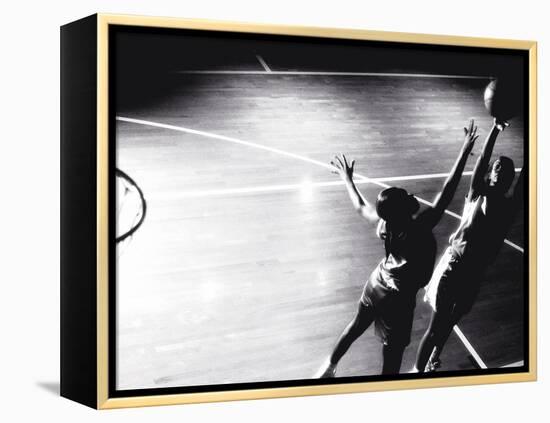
(51, 387)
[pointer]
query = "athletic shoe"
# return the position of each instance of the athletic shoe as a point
(327, 370)
(432, 366)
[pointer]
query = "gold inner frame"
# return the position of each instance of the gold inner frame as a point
(103, 22)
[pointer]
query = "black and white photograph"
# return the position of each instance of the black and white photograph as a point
(313, 210)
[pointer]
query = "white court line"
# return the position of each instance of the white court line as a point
(300, 186)
(424, 176)
(516, 364)
(249, 190)
(229, 139)
(263, 63)
(306, 185)
(329, 73)
(362, 178)
(469, 347)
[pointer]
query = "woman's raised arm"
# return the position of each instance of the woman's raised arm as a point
(447, 193)
(361, 205)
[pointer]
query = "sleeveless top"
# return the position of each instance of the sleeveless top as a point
(481, 231)
(406, 268)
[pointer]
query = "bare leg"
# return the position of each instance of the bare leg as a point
(441, 326)
(362, 320)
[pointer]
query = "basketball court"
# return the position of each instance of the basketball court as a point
(251, 259)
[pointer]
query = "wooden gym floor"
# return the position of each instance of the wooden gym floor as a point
(251, 259)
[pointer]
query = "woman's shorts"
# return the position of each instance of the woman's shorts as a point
(393, 315)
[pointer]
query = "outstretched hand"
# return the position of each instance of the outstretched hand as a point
(470, 137)
(342, 167)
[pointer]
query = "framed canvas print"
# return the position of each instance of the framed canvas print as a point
(253, 211)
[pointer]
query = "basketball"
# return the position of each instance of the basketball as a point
(503, 99)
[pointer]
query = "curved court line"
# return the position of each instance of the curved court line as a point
(361, 178)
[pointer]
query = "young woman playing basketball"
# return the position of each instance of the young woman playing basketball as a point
(389, 295)
(487, 215)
